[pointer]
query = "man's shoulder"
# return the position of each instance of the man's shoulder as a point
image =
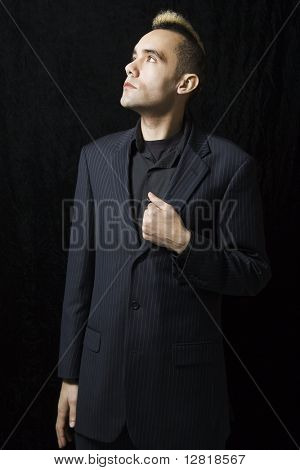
(228, 153)
(221, 144)
(107, 142)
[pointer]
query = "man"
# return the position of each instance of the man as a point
(141, 349)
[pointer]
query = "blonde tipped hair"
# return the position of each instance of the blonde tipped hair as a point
(170, 16)
(190, 51)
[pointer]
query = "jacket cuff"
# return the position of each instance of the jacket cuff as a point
(181, 258)
(71, 381)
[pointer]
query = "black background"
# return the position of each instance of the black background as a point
(47, 115)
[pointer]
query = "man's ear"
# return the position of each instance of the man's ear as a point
(188, 83)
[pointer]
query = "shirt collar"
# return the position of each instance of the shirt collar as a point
(170, 155)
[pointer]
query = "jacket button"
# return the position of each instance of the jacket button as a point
(135, 305)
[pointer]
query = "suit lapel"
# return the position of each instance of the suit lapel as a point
(120, 164)
(190, 172)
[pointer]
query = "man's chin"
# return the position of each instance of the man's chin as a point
(124, 102)
(129, 105)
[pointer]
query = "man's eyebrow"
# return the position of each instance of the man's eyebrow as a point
(160, 54)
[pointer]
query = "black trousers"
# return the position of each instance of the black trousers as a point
(123, 441)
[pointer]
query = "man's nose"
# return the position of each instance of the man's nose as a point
(131, 69)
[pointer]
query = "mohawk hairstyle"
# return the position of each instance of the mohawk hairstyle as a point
(190, 52)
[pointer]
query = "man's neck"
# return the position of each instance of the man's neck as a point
(162, 127)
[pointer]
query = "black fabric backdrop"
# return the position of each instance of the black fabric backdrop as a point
(54, 104)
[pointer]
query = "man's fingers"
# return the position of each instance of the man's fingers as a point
(60, 432)
(157, 201)
(63, 434)
(61, 437)
(62, 419)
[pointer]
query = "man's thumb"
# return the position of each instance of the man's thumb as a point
(72, 417)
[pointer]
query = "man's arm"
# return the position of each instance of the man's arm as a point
(79, 277)
(241, 266)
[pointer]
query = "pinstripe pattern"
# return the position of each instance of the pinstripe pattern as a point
(159, 367)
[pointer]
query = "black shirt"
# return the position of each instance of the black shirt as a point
(152, 164)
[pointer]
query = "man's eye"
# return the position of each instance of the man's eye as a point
(133, 58)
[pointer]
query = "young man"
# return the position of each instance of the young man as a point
(141, 349)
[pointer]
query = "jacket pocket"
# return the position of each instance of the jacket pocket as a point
(204, 352)
(92, 339)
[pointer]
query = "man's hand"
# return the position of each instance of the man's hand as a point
(66, 415)
(163, 226)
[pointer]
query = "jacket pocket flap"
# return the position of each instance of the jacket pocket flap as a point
(92, 339)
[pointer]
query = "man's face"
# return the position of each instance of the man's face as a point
(154, 77)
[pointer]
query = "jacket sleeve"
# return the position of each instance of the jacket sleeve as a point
(79, 276)
(239, 265)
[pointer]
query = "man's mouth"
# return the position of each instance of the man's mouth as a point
(129, 85)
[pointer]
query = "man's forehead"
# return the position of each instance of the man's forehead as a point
(161, 39)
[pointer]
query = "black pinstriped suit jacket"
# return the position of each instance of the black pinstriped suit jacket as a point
(144, 336)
